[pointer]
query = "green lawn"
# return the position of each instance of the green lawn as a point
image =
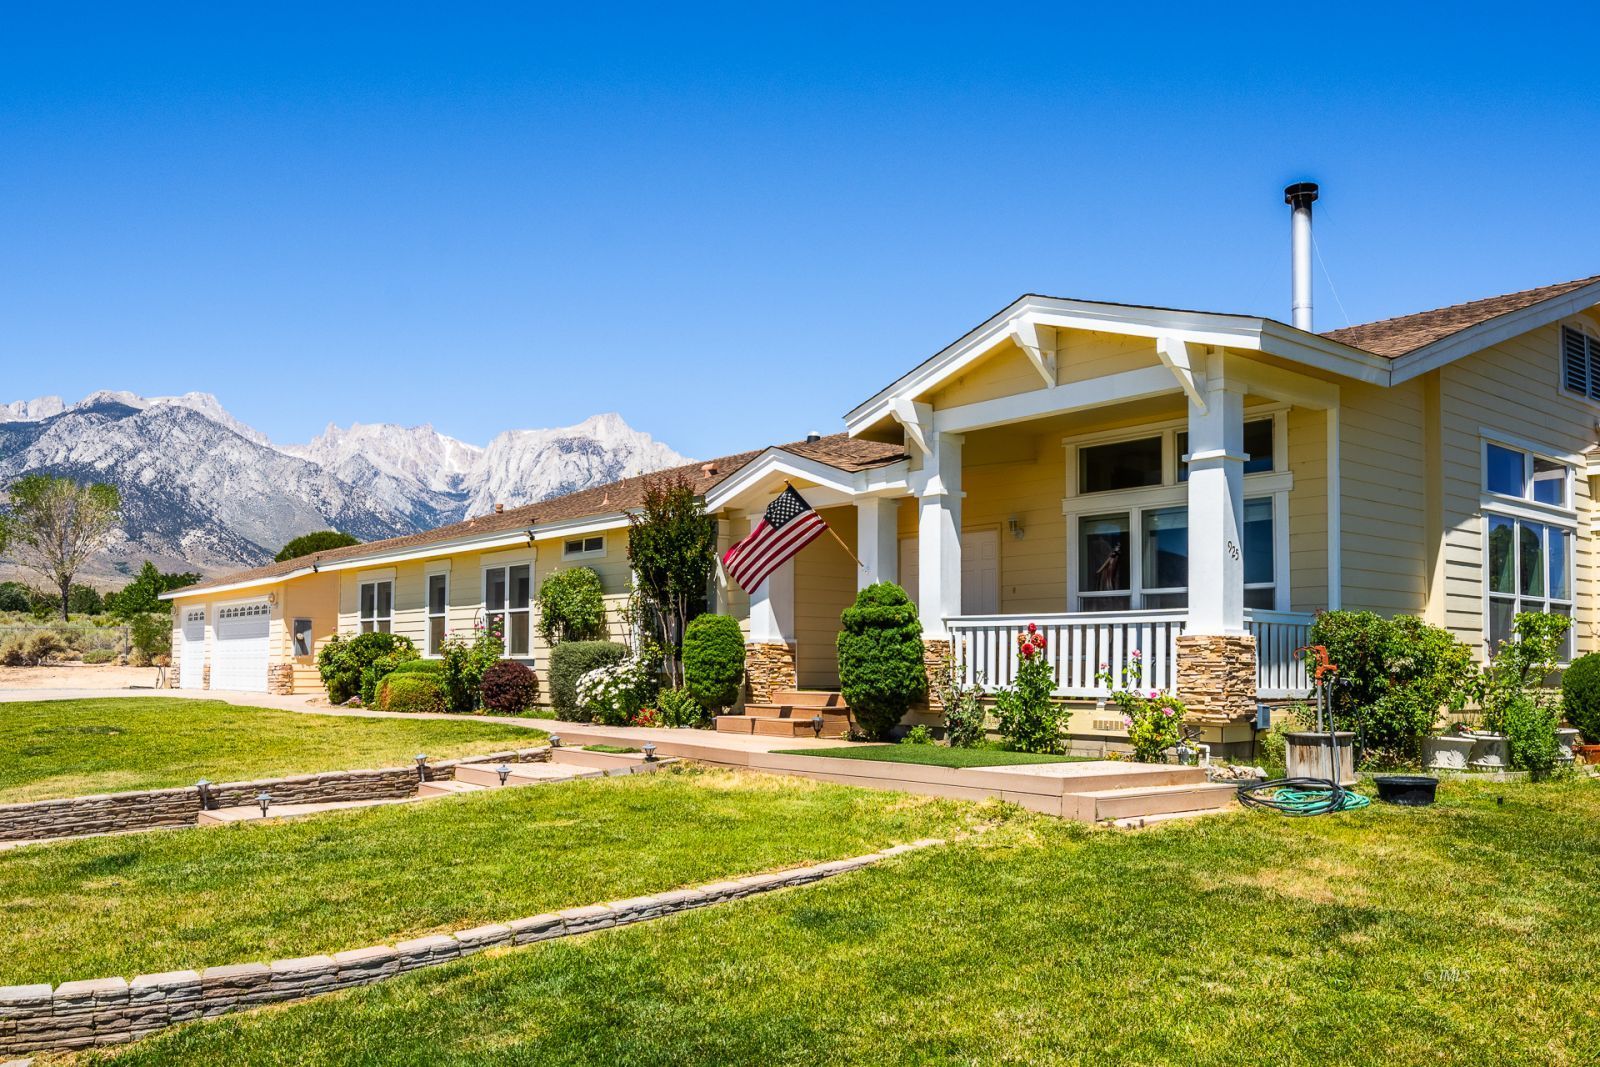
(63, 748)
(1462, 934)
(931, 755)
(262, 891)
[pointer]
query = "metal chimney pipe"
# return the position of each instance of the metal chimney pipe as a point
(1300, 197)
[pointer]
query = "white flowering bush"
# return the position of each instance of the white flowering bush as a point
(613, 694)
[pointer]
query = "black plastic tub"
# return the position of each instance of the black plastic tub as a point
(1408, 790)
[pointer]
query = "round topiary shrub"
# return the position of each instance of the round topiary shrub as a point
(881, 673)
(571, 607)
(1580, 696)
(570, 661)
(508, 688)
(713, 660)
(411, 692)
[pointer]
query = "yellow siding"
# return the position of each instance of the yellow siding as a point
(1308, 510)
(1006, 371)
(1028, 488)
(1381, 496)
(824, 585)
(1513, 388)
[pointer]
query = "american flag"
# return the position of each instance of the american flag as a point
(788, 526)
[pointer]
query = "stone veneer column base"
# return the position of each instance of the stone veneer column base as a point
(1217, 676)
(936, 654)
(767, 669)
(280, 679)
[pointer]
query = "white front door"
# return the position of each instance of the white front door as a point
(239, 660)
(192, 653)
(980, 572)
(909, 570)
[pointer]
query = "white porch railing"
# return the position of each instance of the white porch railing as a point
(1077, 644)
(1279, 672)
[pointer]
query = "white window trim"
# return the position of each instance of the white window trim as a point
(1527, 506)
(376, 618)
(586, 553)
(427, 609)
(1569, 602)
(502, 562)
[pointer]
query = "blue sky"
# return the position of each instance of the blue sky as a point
(728, 225)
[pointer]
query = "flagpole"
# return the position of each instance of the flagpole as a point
(831, 531)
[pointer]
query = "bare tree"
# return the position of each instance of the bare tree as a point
(56, 524)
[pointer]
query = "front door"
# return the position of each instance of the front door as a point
(980, 572)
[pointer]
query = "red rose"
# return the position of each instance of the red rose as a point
(1033, 629)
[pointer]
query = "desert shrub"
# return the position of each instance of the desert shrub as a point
(33, 649)
(571, 607)
(680, 707)
(99, 655)
(713, 660)
(615, 693)
(466, 661)
(918, 735)
(150, 635)
(570, 661)
(1580, 696)
(965, 719)
(85, 600)
(14, 597)
(1394, 677)
(342, 660)
(508, 688)
(379, 669)
(881, 672)
(411, 692)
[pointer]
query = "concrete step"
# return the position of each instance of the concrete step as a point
(763, 726)
(1143, 801)
(735, 724)
(808, 698)
(486, 775)
(447, 787)
(792, 711)
(252, 813)
(609, 762)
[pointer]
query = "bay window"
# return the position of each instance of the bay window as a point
(507, 606)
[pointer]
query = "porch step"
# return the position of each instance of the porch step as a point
(797, 711)
(1144, 801)
(447, 787)
(485, 774)
(775, 726)
(809, 698)
(609, 762)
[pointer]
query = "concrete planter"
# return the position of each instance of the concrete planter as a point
(1566, 743)
(1490, 752)
(1309, 756)
(1449, 752)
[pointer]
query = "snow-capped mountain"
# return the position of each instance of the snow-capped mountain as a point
(202, 490)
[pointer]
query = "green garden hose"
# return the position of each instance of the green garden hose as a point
(1301, 796)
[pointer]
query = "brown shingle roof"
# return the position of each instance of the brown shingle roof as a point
(1407, 333)
(839, 451)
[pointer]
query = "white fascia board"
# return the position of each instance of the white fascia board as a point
(1500, 328)
(779, 461)
(253, 583)
(502, 539)
(1074, 396)
(1314, 350)
(587, 524)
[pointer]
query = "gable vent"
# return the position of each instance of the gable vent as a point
(1580, 363)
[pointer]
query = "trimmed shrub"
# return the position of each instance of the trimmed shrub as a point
(880, 657)
(341, 660)
(571, 607)
(713, 660)
(431, 667)
(570, 661)
(1580, 696)
(378, 670)
(679, 707)
(411, 692)
(509, 688)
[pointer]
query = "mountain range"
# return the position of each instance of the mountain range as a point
(203, 491)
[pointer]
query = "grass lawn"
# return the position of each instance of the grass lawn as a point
(932, 755)
(64, 748)
(262, 891)
(1466, 933)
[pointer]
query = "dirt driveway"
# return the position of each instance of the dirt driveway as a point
(78, 676)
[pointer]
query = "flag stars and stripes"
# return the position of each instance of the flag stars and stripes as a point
(788, 525)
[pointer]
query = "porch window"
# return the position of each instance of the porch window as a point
(377, 607)
(1530, 569)
(1257, 446)
(507, 600)
(1165, 558)
(1119, 465)
(1159, 558)
(438, 601)
(1104, 551)
(1260, 555)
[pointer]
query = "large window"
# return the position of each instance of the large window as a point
(1110, 560)
(1512, 472)
(377, 607)
(438, 605)
(1530, 569)
(507, 603)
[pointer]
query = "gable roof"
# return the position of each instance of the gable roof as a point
(1405, 334)
(611, 499)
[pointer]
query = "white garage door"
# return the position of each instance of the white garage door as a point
(192, 656)
(239, 657)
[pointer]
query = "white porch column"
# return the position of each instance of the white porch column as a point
(877, 540)
(1216, 505)
(939, 534)
(772, 608)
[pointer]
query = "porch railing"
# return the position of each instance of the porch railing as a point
(1082, 645)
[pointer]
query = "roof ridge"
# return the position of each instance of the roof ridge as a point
(1574, 282)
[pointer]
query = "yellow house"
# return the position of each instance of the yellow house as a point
(1189, 485)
